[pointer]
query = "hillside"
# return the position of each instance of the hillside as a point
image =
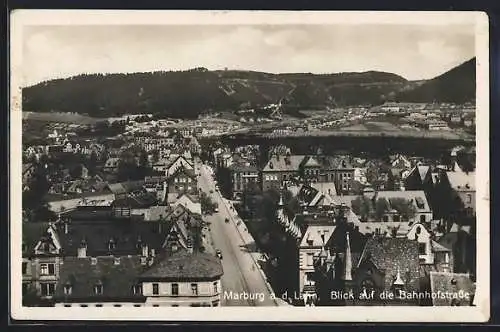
(457, 85)
(189, 93)
(186, 94)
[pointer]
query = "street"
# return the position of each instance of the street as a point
(243, 282)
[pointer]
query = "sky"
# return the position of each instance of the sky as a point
(412, 51)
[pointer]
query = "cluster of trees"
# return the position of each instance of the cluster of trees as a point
(207, 205)
(35, 206)
(374, 209)
(133, 165)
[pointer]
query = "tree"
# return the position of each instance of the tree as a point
(381, 207)
(76, 171)
(207, 205)
(404, 207)
(362, 206)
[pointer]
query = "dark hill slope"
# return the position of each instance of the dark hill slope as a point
(457, 85)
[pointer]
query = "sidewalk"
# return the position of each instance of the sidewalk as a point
(248, 239)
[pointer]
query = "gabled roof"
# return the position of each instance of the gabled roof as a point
(462, 181)
(117, 280)
(325, 187)
(125, 187)
(436, 247)
(392, 254)
(32, 233)
(284, 163)
(311, 161)
(182, 265)
(126, 234)
(422, 171)
(454, 283)
(313, 235)
(335, 162)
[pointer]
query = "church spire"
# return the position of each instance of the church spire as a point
(348, 260)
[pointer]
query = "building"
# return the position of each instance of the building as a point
(183, 279)
(460, 285)
(243, 176)
(385, 207)
(386, 265)
(279, 170)
(182, 181)
(431, 254)
(59, 203)
(339, 170)
(41, 252)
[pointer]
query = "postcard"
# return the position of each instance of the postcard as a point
(249, 166)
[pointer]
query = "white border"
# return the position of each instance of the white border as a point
(481, 313)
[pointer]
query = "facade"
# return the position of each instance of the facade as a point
(42, 254)
(182, 181)
(183, 279)
(242, 177)
(279, 170)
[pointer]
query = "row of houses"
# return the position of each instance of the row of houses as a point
(93, 258)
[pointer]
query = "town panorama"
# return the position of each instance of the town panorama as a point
(257, 190)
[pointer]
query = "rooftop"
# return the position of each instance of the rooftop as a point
(452, 283)
(182, 265)
(117, 280)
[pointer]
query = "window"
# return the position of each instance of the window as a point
(385, 218)
(67, 289)
(194, 289)
(422, 249)
(117, 305)
(215, 303)
(98, 305)
(446, 258)
(156, 289)
(83, 305)
(25, 267)
(47, 269)
(47, 289)
(175, 289)
(67, 305)
(137, 305)
(156, 305)
(422, 218)
(469, 199)
(175, 305)
(93, 260)
(215, 288)
(396, 218)
(98, 289)
(309, 261)
(137, 289)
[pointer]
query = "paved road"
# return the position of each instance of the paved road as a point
(241, 275)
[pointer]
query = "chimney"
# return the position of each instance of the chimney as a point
(82, 249)
(145, 250)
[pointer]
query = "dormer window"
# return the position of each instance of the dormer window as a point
(111, 244)
(93, 260)
(117, 261)
(68, 289)
(137, 289)
(98, 288)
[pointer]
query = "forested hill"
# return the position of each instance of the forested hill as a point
(186, 94)
(457, 85)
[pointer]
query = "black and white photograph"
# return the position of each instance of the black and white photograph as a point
(294, 166)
